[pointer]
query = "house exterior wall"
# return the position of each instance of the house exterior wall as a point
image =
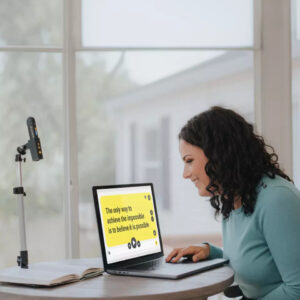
(188, 213)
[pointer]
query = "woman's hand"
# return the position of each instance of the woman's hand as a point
(196, 253)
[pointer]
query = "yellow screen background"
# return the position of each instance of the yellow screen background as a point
(116, 210)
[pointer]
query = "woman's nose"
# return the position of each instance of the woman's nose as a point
(186, 173)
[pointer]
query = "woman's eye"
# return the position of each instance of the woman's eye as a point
(189, 161)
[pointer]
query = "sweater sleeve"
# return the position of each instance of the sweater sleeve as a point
(280, 221)
(214, 252)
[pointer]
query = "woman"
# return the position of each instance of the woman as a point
(259, 204)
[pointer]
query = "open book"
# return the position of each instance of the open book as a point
(50, 273)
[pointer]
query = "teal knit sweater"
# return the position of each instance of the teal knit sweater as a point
(264, 248)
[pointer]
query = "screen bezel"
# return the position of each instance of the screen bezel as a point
(101, 234)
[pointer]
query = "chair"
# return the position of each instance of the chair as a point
(234, 291)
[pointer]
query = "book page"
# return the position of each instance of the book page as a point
(33, 276)
(72, 267)
(54, 266)
(49, 273)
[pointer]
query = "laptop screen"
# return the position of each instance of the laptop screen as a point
(129, 222)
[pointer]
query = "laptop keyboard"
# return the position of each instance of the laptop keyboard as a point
(149, 265)
(153, 264)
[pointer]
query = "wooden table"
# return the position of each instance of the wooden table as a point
(106, 286)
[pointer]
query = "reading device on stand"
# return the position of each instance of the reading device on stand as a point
(34, 145)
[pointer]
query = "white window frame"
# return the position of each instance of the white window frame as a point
(273, 79)
(272, 89)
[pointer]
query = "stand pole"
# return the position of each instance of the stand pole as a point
(22, 259)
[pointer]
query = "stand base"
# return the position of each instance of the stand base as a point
(22, 260)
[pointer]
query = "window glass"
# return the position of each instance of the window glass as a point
(31, 85)
(126, 116)
(31, 22)
(168, 23)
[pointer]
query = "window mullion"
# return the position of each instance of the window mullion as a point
(71, 162)
(273, 105)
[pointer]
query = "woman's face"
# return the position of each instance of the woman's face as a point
(194, 166)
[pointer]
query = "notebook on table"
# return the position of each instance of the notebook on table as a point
(130, 238)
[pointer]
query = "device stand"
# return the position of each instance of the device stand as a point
(22, 259)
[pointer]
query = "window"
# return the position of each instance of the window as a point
(133, 107)
(136, 87)
(28, 80)
(31, 85)
(169, 23)
(137, 83)
(31, 22)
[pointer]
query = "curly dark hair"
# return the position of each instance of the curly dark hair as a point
(237, 157)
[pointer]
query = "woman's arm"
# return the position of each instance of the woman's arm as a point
(215, 252)
(280, 221)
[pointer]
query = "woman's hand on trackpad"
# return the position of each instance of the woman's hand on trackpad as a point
(193, 253)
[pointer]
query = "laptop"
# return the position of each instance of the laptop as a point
(130, 238)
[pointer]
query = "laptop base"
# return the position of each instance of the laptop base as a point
(169, 270)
